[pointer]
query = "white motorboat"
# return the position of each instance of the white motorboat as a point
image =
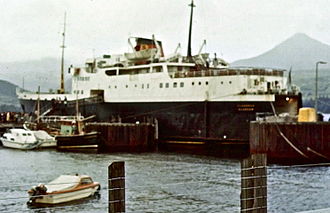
(19, 139)
(45, 140)
(63, 189)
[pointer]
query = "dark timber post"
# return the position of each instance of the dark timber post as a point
(254, 184)
(116, 183)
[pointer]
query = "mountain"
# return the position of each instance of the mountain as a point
(31, 74)
(299, 52)
(8, 99)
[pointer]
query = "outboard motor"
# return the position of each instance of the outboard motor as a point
(36, 192)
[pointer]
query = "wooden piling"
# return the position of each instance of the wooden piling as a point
(125, 137)
(116, 185)
(254, 184)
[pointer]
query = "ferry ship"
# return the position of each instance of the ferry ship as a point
(197, 97)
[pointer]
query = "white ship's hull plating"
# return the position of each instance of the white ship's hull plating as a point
(161, 87)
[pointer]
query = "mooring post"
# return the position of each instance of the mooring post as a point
(254, 184)
(116, 183)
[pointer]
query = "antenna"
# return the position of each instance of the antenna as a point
(190, 27)
(61, 91)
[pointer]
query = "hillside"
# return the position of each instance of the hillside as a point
(8, 99)
(299, 52)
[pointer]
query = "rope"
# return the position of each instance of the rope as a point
(283, 136)
(317, 153)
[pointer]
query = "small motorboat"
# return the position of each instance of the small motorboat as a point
(44, 139)
(19, 139)
(63, 189)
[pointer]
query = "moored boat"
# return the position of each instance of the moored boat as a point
(73, 136)
(63, 189)
(19, 139)
(45, 140)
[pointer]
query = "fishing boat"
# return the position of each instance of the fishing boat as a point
(19, 139)
(193, 97)
(63, 189)
(73, 135)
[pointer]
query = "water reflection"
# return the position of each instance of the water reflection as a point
(158, 182)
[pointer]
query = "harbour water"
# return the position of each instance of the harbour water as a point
(159, 182)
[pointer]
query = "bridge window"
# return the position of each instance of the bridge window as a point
(157, 69)
(110, 72)
(161, 85)
(175, 84)
(181, 84)
(167, 85)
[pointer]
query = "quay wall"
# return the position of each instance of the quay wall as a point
(125, 137)
(304, 142)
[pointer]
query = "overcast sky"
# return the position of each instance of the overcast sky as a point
(235, 29)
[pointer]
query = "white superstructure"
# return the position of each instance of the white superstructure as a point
(121, 78)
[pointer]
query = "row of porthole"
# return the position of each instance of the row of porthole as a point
(167, 85)
(182, 84)
(142, 86)
(78, 91)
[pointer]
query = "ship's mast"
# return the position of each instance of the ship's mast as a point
(190, 27)
(61, 91)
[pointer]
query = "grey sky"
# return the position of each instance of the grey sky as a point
(235, 29)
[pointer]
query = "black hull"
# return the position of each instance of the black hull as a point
(219, 121)
(87, 140)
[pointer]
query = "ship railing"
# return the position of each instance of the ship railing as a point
(25, 91)
(227, 72)
(58, 118)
